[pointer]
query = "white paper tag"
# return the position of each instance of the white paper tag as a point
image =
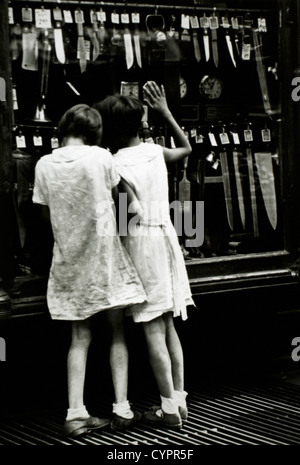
(204, 22)
(248, 136)
(185, 21)
(212, 139)
(93, 16)
(43, 18)
(236, 139)
(262, 24)
(194, 22)
(224, 138)
(199, 139)
(79, 17)
(57, 14)
(246, 51)
(216, 164)
(27, 15)
(101, 15)
(10, 15)
(54, 143)
(115, 18)
(234, 23)
(37, 141)
(21, 142)
(266, 135)
(135, 18)
(125, 18)
(210, 157)
(68, 16)
(213, 22)
(193, 132)
(225, 22)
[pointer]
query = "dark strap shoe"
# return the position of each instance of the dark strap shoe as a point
(80, 426)
(118, 423)
(158, 418)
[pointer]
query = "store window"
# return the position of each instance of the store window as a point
(219, 67)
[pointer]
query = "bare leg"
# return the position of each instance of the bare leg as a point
(118, 354)
(155, 333)
(76, 363)
(175, 351)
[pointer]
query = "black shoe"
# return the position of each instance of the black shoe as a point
(183, 412)
(158, 418)
(118, 423)
(80, 426)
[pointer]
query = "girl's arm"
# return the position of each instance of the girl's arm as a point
(156, 99)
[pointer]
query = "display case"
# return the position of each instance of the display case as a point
(227, 69)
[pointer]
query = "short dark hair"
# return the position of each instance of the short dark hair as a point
(81, 121)
(121, 117)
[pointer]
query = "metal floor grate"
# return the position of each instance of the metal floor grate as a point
(231, 414)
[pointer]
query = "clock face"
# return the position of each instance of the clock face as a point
(130, 88)
(183, 87)
(210, 87)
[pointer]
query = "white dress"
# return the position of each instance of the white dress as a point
(153, 244)
(91, 270)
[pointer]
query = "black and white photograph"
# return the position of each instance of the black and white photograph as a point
(150, 226)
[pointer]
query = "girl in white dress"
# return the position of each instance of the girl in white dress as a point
(91, 270)
(153, 243)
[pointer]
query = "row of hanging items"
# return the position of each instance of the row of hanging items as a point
(128, 30)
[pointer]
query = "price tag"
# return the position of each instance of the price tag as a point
(262, 24)
(135, 18)
(194, 22)
(193, 132)
(79, 16)
(225, 22)
(215, 166)
(10, 15)
(224, 138)
(54, 143)
(204, 22)
(234, 23)
(210, 157)
(21, 142)
(57, 14)
(246, 51)
(172, 142)
(68, 16)
(236, 139)
(266, 135)
(125, 18)
(43, 18)
(93, 16)
(199, 139)
(101, 16)
(115, 18)
(185, 21)
(213, 22)
(248, 136)
(212, 139)
(37, 141)
(27, 15)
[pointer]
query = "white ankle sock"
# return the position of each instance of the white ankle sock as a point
(180, 397)
(123, 409)
(169, 405)
(80, 412)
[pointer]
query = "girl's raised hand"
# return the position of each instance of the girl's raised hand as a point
(155, 97)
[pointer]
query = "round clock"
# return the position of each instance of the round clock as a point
(182, 87)
(210, 87)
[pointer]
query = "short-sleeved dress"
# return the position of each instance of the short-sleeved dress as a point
(91, 270)
(153, 243)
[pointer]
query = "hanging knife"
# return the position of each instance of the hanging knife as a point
(261, 74)
(128, 48)
(81, 54)
(30, 49)
(214, 25)
(135, 19)
(58, 36)
(235, 27)
(265, 173)
(236, 162)
(204, 23)
(226, 26)
(252, 191)
(227, 187)
(195, 26)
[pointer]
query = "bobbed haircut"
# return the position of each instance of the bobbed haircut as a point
(81, 121)
(121, 118)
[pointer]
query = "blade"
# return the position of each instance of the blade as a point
(185, 190)
(196, 46)
(236, 156)
(30, 51)
(81, 48)
(206, 46)
(59, 45)
(128, 50)
(214, 46)
(95, 42)
(137, 49)
(261, 74)
(252, 191)
(267, 184)
(229, 45)
(227, 189)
